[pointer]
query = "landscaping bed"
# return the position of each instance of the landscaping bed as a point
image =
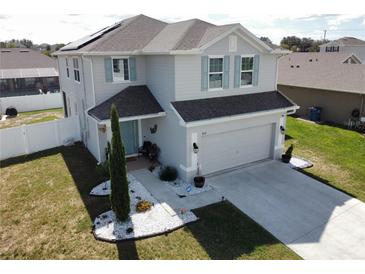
(157, 219)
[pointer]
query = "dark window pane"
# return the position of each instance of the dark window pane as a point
(126, 72)
(215, 80)
(216, 65)
(246, 78)
(247, 63)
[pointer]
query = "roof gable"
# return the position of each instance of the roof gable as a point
(147, 35)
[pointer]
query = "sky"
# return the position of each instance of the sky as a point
(44, 21)
(64, 28)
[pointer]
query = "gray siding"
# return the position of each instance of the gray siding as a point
(160, 78)
(170, 136)
(188, 72)
(105, 90)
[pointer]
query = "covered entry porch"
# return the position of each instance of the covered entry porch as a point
(137, 109)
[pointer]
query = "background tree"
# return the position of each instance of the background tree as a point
(119, 196)
(305, 44)
(266, 39)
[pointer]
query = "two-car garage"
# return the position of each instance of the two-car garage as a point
(225, 150)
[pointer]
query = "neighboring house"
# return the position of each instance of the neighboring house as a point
(25, 71)
(346, 45)
(179, 85)
(333, 81)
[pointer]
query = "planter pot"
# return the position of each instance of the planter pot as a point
(199, 181)
(285, 158)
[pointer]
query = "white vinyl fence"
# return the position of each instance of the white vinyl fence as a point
(31, 138)
(32, 102)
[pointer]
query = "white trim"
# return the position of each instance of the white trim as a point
(187, 169)
(251, 70)
(140, 138)
(132, 118)
(194, 156)
(129, 70)
(238, 117)
(209, 73)
(181, 120)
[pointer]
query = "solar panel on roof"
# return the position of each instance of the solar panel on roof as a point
(90, 38)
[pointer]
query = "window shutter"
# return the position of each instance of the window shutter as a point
(204, 73)
(256, 69)
(132, 68)
(108, 69)
(237, 71)
(226, 72)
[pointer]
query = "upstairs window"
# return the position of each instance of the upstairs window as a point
(246, 71)
(120, 69)
(215, 73)
(67, 69)
(332, 49)
(76, 69)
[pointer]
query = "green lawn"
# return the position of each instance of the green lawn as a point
(46, 213)
(338, 154)
(31, 117)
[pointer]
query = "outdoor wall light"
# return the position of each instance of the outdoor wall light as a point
(195, 148)
(102, 128)
(153, 129)
(282, 130)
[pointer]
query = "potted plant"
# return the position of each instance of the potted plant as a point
(198, 179)
(288, 154)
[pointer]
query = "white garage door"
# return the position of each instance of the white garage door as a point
(230, 149)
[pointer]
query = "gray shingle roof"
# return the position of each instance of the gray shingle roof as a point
(346, 41)
(149, 35)
(322, 71)
(203, 109)
(24, 58)
(132, 101)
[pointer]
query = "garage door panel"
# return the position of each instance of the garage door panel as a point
(234, 148)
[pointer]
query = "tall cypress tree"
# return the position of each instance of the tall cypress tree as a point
(119, 196)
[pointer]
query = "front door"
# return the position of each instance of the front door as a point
(129, 133)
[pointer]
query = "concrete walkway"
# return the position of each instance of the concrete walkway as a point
(314, 220)
(163, 193)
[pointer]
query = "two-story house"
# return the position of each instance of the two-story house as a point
(349, 45)
(205, 94)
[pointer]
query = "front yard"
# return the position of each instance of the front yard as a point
(31, 117)
(46, 213)
(338, 154)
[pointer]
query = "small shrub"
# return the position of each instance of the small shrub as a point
(143, 206)
(168, 174)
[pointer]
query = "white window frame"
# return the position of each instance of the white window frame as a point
(209, 73)
(67, 69)
(129, 69)
(251, 70)
(76, 69)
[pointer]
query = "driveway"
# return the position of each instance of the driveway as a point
(311, 218)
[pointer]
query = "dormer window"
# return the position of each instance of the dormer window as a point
(120, 69)
(215, 73)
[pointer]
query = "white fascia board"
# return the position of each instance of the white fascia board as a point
(240, 116)
(141, 117)
(181, 120)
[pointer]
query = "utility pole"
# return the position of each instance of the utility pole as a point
(324, 35)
